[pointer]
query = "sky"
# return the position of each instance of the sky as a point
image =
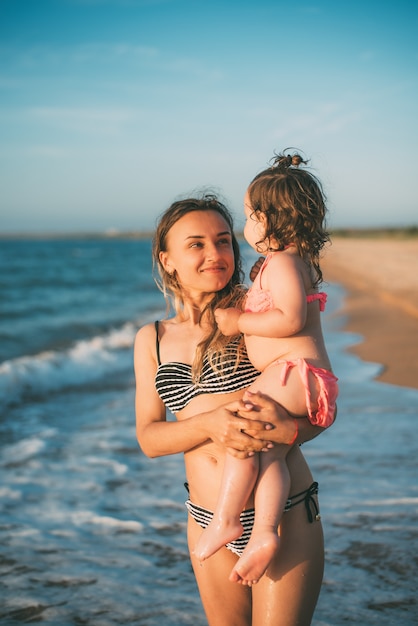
(111, 110)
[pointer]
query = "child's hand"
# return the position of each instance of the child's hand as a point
(256, 267)
(227, 320)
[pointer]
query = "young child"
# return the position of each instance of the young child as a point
(285, 211)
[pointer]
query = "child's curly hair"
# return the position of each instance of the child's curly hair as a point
(292, 201)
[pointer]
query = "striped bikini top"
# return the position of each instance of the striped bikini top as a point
(259, 300)
(176, 388)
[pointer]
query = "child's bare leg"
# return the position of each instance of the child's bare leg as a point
(239, 476)
(271, 494)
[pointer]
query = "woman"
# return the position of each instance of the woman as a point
(202, 376)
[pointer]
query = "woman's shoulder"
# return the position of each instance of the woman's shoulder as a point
(147, 329)
(145, 335)
(148, 333)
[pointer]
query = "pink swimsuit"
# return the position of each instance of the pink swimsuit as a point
(259, 301)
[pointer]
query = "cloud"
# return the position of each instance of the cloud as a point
(99, 64)
(103, 52)
(46, 56)
(328, 119)
(45, 151)
(108, 120)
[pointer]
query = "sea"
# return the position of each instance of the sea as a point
(93, 533)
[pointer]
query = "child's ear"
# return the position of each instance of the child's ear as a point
(263, 220)
(264, 245)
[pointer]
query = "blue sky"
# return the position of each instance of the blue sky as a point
(110, 110)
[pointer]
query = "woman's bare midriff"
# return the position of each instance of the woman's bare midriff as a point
(204, 464)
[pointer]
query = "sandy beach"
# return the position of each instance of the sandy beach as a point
(381, 278)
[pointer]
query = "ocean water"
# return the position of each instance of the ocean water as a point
(91, 531)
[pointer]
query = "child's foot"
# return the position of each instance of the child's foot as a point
(214, 537)
(255, 559)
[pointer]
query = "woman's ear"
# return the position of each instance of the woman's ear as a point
(166, 263)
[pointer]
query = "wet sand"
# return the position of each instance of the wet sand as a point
(381, 278)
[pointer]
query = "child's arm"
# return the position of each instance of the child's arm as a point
(283, 278)
(227, 320)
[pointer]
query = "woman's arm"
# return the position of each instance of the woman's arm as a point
(156, 436)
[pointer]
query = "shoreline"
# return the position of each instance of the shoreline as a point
(381, 280)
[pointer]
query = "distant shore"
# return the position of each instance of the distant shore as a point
(113, 233)
(380, 274)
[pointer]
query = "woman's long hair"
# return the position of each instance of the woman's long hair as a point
(214, 344)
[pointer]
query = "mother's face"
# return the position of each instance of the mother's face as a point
(200, 253)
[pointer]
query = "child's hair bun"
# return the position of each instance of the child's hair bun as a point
(283, 161)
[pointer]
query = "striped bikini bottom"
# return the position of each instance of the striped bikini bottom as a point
(203, 516)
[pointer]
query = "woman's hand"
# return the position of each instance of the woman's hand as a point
(255, 424)
(285, 428)
(261, 407)
(229, 430)
(256, 267)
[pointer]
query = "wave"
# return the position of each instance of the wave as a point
(106, 522)
(87, 362)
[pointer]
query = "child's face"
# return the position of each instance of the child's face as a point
(254, 229)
